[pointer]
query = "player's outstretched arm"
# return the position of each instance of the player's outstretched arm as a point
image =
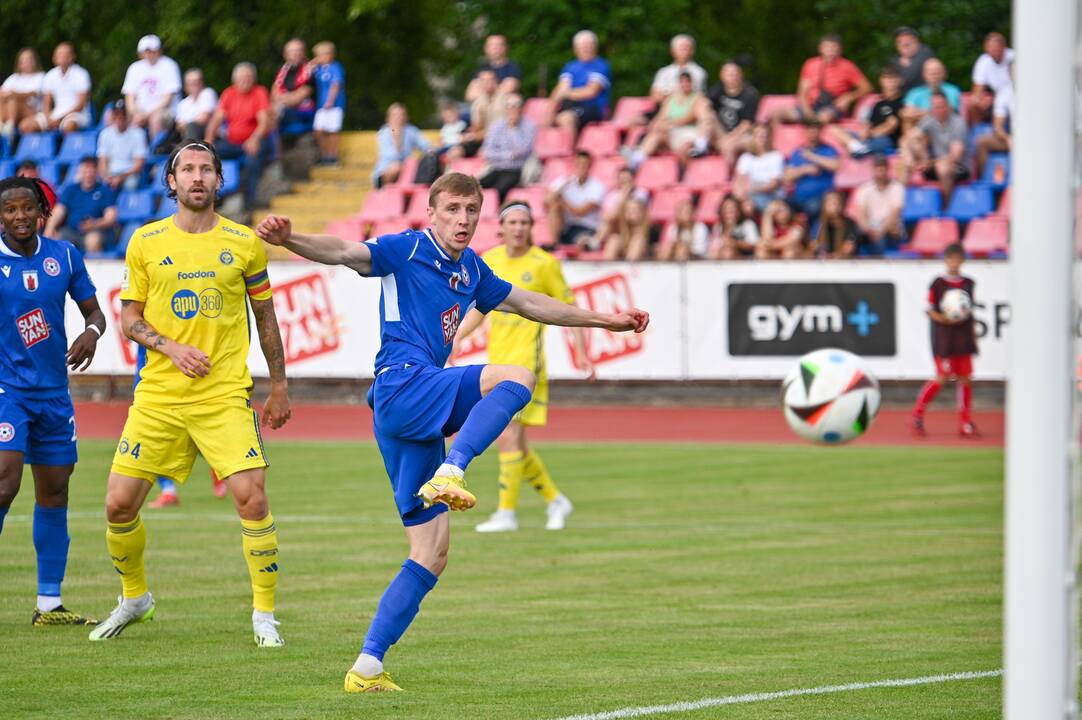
(276, 410)
(326, 249)
(542, 308)
(81, 352)
(191, 361)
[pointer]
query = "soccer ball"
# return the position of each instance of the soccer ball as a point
(830, 397)
(956, 304)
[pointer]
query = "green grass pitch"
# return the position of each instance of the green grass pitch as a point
(686, 572)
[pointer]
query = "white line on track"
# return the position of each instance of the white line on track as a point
(691, 706)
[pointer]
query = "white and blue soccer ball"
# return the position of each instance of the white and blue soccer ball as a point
(830, 397)
(956, 304)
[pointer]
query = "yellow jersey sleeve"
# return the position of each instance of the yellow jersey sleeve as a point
(135, 282)
(555, 284)
(256, 279)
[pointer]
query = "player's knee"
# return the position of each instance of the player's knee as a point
(9, 485)
(522, 376)
(120, 509)
(254, 507)
(433, 559)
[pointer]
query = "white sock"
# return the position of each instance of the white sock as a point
(368, 666)
(258, 615)
(138, 601)
(448, 469)
(48, 603)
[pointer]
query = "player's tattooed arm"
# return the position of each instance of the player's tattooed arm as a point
(191, 361)
(326, 249)
(276, 409)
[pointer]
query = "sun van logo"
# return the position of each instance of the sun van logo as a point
(607, 294)
(449, 321)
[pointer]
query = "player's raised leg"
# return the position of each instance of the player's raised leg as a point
(259, 538)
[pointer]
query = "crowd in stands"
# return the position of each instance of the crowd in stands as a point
(106, 168)
(838, 169)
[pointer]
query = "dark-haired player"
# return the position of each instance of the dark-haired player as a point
(37, 421)
(188, 281)
(954, 343)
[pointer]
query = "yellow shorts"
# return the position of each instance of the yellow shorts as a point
(163, 441)
(537, 412)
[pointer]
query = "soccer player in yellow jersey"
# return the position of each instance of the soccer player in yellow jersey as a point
(514, 340)
(188, 282)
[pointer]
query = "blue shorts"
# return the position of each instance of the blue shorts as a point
(414, 408)
(43, 429)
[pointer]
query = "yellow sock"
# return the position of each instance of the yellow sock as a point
(261, 553)
(539, 477)
(510, 479)
(126, 542)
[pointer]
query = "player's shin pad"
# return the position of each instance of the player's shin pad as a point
(260, 541)
(126, 543)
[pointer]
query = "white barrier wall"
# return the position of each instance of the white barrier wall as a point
(709, 320)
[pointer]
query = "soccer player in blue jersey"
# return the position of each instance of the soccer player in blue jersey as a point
(37, 420)
(431, 279)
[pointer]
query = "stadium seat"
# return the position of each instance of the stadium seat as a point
(536, 110)
(541, 235)
(167, 207)
(556, 168)
(921, 203)
(1004, 209)
(382, 204)
(770, 104)
(76, 145)
(985, 236)
(490, 205)
(552, 142)
(36, 146)
(788, 138)
(658, 172)
(599, 139)
(49, 171)
(864, 106)
(409, 171)
(349, 229)
(629, 111)
(417, 210)
(134, 206)
(707, 211)
(663, 203)
(534, 196)
(7, 167)
(969, 202)
(468, 166)
(5, 147)
(932, 235)
(997, 171)
(853, 173)
(386, 227)
(126, 232)
(635, 136)
(487, 236)
(230, 176)
(606, 169)
(705, 173)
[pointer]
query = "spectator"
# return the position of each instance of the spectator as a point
(879, 205)
(736, 235)
(28, 169)
(453, 128)
(293, 90)
(86, 214)
(630, 238)
(152, 87)
(614, 206)
(20, 95)
(811, 171)
(330, 101)
(999, 140)
(937, 146)
(122, 150)
(759, 173)
(991, 75)
(912, 54)
(197, 107)
(684, 238)
(582, 94)
(245, 109)
(508, 74)
(782, 235)
(667, 79)
(918, 100)
(508, 144)
(837, 235)
(574, 204)
(735, 104)
(397, 140)
(880, 131)
(486, 108)
(65, 94)
(682, 124)
(829, 85)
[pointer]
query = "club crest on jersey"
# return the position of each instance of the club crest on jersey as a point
(30, 280)
(32, 327)
(52, 267)
(226, 257)
(7, 432)
(449, 320)
(461, 277)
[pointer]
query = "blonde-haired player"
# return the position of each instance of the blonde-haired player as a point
(514, 340)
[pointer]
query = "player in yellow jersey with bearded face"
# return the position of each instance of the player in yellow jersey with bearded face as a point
(514, 340)
(189, 280)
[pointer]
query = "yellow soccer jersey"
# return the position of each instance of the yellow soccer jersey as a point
(512, 339)
(194, 287)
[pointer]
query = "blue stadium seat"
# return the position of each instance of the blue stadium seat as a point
(168, 207)
(969, 202)
(230, 176)
(36, 146)
(76, 145)
(5, 147)
(125, 237)
(134, 206)
(49, 171)
(7, 168)
(999, 164)
(920, 203)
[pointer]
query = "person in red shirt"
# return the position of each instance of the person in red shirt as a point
(954, 343)
(294, 88)
(244, 108)
(829, 86)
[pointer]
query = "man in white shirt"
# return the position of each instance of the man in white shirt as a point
(574, 204)
(122, 151)
(667, 78)
(991, 74)
(66, 93)
(199, 103)
(879, 208)
(152, 87)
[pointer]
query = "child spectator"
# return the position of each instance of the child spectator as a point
(782, 234)
(630, 239)
(837, 236)
(330, 101)
(20, 95)
(453, 128)
(880, 131)
(614, 205)
(736, 235)
(684, 238)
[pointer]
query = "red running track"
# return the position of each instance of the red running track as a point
(606, 424)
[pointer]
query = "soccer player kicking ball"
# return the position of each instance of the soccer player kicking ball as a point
(37, 421)
(954, 343)
(431, 280)
(515, 340)
(188, 281)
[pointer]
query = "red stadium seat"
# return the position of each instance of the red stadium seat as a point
(536, 110)
(534, 196)
(865, 104)
(487, 236)
(409, 171)
(468, 166)
(658, 172)
(388, 227)
(383, 204)
(634, 136)
(706, 172)
(349, 229)
(770, 104)
(629, 111)
(600, 139)
(788, 138)
(556, 168)
(490, 207)
(709, 203)
(1004, 209)
(853, 173)
(606, 169)
(932, 235)
(552, 142)
(851, 205)
(664, 202)
(985, 236)
(541, 235)
(417, 212)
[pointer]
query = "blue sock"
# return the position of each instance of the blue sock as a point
(51, 542)
(167, 485)
(486, 421)
(397, 608)
(3, 514)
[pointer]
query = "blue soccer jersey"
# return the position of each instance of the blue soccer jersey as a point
(425, 296)
(33, 344)
(580, 74)
(327, 75)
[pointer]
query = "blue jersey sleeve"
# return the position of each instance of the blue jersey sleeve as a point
(80, 286)
(390, 253)
(491, 289)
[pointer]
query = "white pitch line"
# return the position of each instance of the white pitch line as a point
(682, 707)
